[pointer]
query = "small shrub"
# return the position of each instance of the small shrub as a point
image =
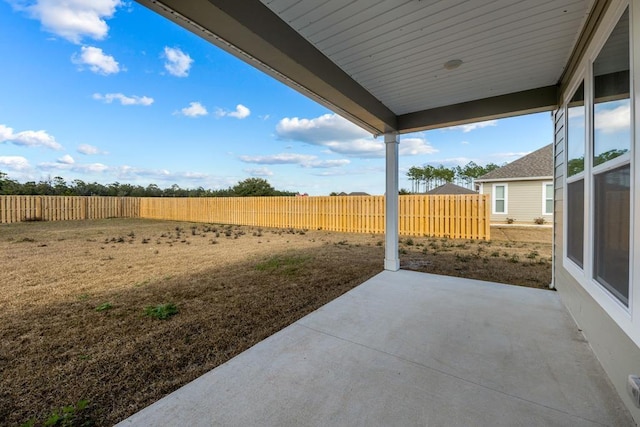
(161, 311)
(495, 253)
(71, 415)
(514, 259)
(539, 220)
(510, 220)
(104, 306)
(25, 240)
(532, 254)
(409, 242)
(463, 258)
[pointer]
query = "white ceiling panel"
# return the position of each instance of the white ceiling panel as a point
(396, 49)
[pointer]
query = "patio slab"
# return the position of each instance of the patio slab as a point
(406, 349)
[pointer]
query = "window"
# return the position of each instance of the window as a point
(611, 102)
(611, 231)
(575, 222)
(547, 198)
(611, 168)
(576, 132)
(575, 176)
(598, 190)
(500, 199)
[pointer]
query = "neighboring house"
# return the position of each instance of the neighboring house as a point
(451, 189)
(354, 193)
(522, 190)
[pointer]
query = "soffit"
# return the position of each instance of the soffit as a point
(396, 49)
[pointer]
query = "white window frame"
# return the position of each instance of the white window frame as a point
(494, 199)
(545, 199)
(628, 318)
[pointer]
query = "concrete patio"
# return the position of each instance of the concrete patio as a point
(409, 349)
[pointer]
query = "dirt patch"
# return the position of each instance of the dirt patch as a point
(77, 297)
(515, 255)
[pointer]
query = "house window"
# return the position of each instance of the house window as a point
(576, 133)
(499, 199)
(547, 198)
(575, 222)
(611, 162)
(611, 231)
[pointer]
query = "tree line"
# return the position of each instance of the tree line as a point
(57, 186)
(425, 178)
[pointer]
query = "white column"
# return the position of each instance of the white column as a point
(391, 261)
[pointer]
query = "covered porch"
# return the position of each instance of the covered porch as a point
(407, 348)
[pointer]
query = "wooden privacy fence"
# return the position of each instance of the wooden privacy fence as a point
(455, 216)
(60, 208)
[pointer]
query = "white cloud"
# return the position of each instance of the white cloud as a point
(17, 163)
(28, 138)
(473, 126)
(89, 150)
(241, 112)
(279, 159)
(96, 60)
(507, 157)
(613, 120)
(66, 159)
(259, 172)
(304, 160)
(195, 109)
(71, 19)
(75, 167)
(343, 137)
(464, 142)
(326, 128)
(415, 147)
(177, 62)
(326, 164)
(108, 98)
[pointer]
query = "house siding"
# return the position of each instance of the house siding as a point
(617, 353)
(524, 201)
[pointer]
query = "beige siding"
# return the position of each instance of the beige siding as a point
(617, 353)
(524, 201)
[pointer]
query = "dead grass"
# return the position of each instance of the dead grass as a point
(73, 324)
(515, 255)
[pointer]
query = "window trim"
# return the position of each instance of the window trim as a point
(495, 199)
(627, 318)
(545, 199)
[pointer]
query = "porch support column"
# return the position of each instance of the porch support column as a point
(391, 261)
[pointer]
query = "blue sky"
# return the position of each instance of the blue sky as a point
(109, 91)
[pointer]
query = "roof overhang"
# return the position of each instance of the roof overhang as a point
(521, 178)
(392, 79)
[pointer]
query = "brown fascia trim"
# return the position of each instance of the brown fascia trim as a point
(252, 32)
(497, 107)
(598, 10)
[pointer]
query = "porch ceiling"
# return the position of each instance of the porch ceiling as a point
(382, 63)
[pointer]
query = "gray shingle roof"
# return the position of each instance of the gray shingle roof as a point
(450, 188)
(536, 164)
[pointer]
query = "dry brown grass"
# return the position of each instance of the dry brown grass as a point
(515, 255)
(232, 290)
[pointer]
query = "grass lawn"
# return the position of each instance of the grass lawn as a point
(105, 317)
